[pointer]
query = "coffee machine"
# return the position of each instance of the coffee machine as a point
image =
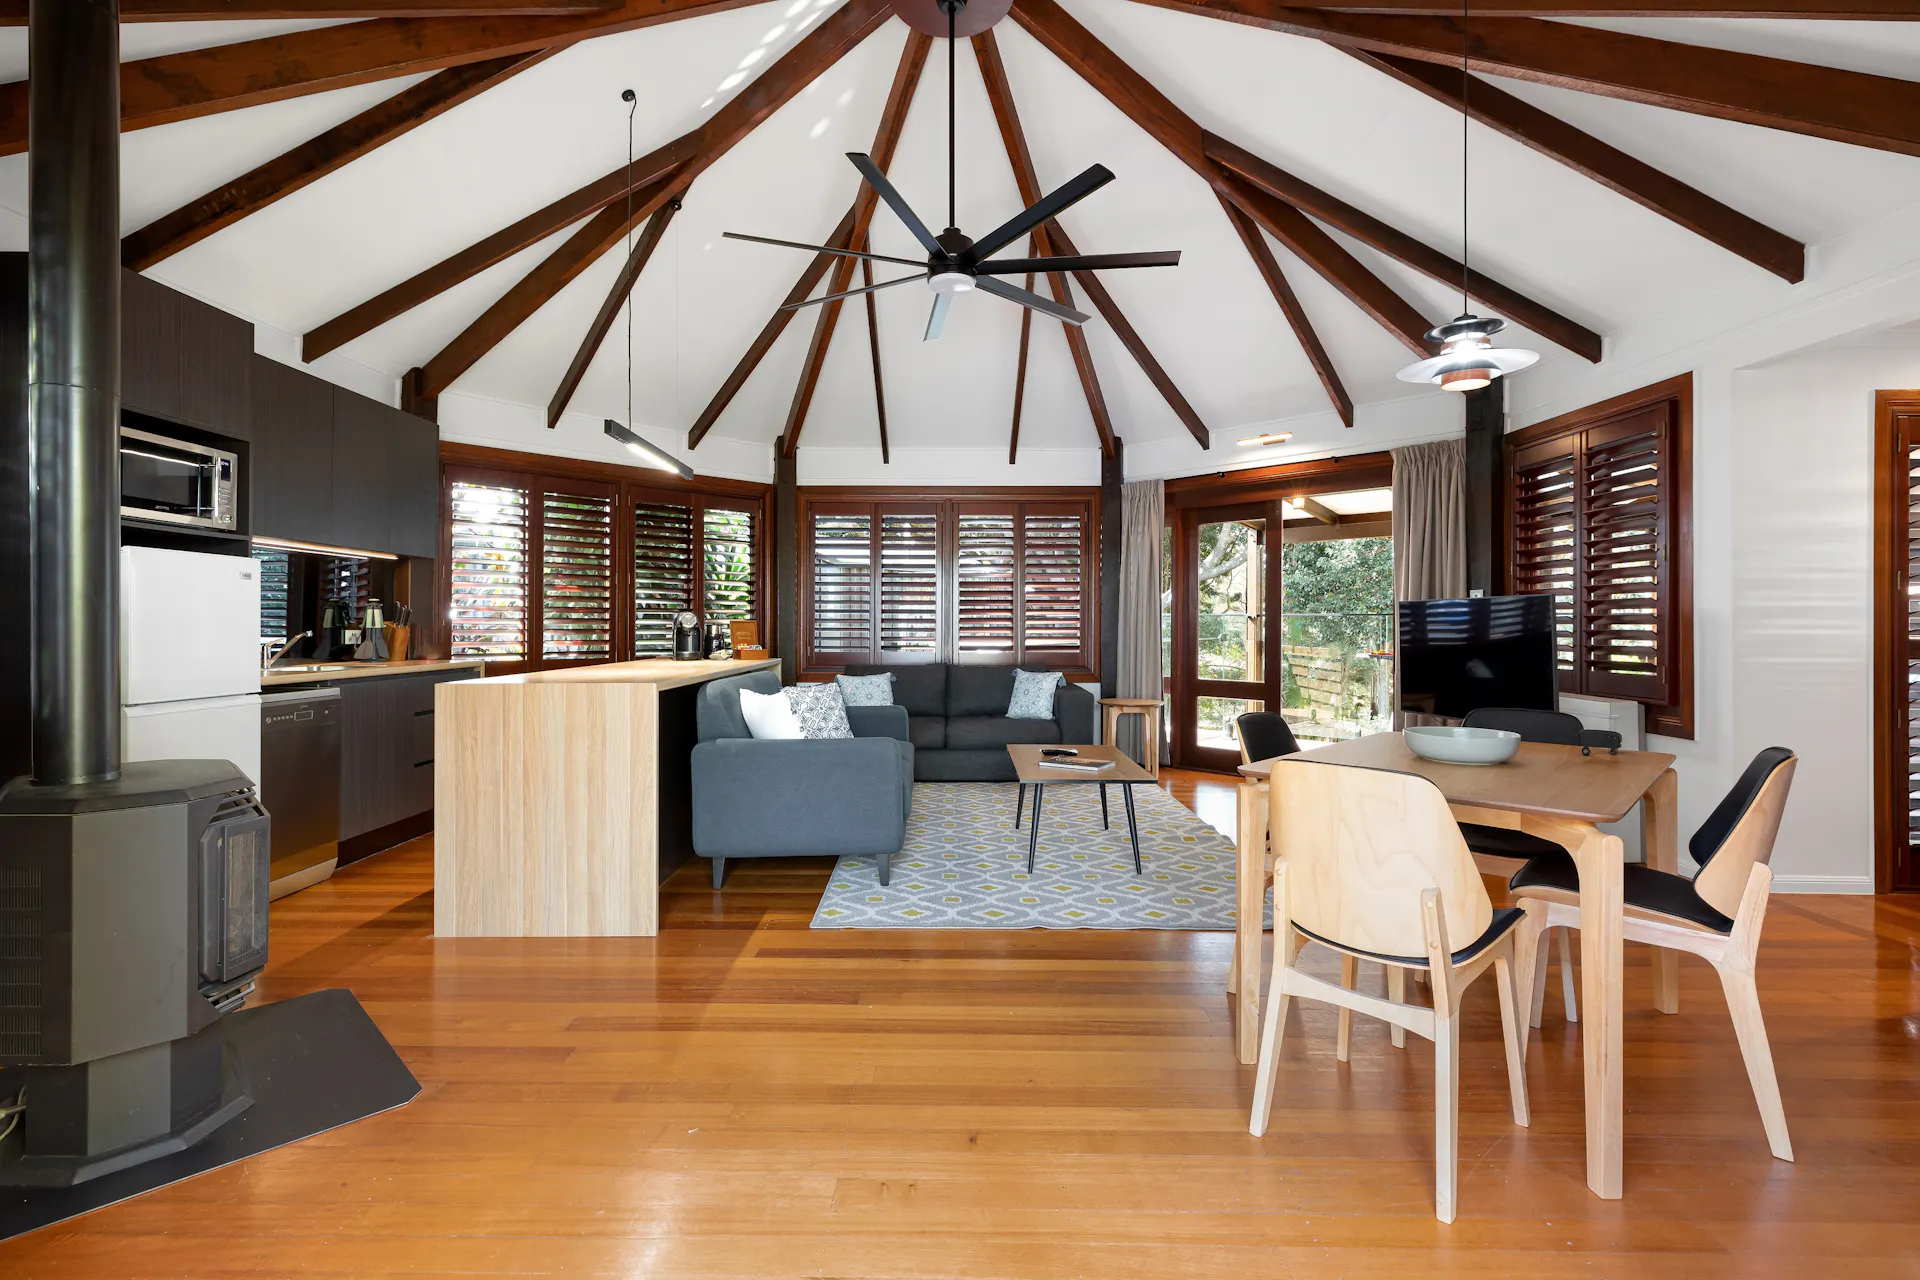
(686, 636)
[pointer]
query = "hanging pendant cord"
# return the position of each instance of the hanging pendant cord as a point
(633, 105)
(1466, 83)
(952, 9)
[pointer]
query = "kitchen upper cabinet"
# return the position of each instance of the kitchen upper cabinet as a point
(363, 479)
(335, 467)
(183, 360)
(292, 457)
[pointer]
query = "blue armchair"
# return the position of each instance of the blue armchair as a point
(781, 799)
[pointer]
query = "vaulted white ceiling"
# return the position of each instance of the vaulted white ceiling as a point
(1537, 226)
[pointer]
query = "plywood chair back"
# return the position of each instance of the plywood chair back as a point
(1361, 847)
(1739, 834)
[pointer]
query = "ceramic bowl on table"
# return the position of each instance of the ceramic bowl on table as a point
(1452, 744)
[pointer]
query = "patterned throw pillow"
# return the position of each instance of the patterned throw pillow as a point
(1033, 695)
(866, 691)
(820, 710)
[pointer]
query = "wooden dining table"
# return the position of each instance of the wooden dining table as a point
(1546, 790)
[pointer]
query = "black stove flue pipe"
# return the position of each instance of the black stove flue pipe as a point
(73, 310)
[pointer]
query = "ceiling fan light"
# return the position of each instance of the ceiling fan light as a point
(1271, 437)
(951, 282)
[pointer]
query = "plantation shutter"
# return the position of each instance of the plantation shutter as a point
(275, 604)
(727, 574)
(1052, 586)
(662, 574)
(909, 586)
(576, 576)
(1545, 521)
(842, 586)
(488, 545)
(985, 586)
(1623, 561)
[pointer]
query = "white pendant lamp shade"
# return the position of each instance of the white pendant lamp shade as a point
(1468, 360)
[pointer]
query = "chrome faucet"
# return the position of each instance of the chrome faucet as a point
(270, 655)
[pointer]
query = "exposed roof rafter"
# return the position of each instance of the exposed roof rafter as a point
(683, 159)
(1290, 307)
(317, 157)
(623, 285)
(1824, 102)
(204, 82)
(886, 138)
(13, 13)
(1607, 165)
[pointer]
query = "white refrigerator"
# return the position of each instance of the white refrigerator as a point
(190, 657)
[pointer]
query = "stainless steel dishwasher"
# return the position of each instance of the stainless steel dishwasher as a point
(300, 784)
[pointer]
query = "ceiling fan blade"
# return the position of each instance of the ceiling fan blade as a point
(854, 293)
(895, 201)
(1045, 306)
(937, 318)
(1047, 206)
(819, 248)
(1085, 262)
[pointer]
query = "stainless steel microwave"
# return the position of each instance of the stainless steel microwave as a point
(177, 481)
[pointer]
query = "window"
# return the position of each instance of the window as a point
(275, 601)
(929, 580)
(578, 562)
(1598, 517)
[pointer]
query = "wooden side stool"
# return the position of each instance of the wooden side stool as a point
(1148, 709)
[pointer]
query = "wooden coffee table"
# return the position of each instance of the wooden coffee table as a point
(1027, 763)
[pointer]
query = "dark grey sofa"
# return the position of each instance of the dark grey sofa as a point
(957, 719)
(762, 799)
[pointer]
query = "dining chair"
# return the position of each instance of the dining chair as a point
(1717, 915)
(1499, 851)
(1263, 735)
(1372, 866)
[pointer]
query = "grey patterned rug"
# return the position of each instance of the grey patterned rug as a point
(965, 867)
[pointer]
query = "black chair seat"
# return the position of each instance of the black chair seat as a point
(1503, 842)
(1661, 892)
(1503, 919)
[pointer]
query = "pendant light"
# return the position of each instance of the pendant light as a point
(639, 447)
(1468, 360)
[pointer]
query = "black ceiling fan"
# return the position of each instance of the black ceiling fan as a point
(958, 264)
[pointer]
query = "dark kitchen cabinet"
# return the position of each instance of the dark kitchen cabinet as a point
(363, 479)
(386, 755)
(183, 360)
(292, 459)
(335, 467)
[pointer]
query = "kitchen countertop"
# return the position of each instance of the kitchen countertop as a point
(665, 673)
(282, 677)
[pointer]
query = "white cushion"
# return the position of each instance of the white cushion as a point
(769, 715)
(819, 709)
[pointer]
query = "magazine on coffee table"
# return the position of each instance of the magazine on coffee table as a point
(1077, 766)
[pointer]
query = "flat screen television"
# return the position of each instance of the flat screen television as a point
(1492, 651)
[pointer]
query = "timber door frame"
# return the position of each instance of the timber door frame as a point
(1896, 430)
(1187, 687)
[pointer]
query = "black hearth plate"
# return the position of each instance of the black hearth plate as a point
(312, 1063)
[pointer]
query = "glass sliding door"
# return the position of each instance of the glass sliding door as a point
(1224, 630)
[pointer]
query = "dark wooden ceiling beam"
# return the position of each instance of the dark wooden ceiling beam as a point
(1290, 307)
(1153, 111)
(1863, 10)
(886, 138)
(873, 345)
(13, 13)
(203, 82)
(1401, 247)
(623, 286)
(1612, 168)
(316, 158)
(1824, 102)
(686, 156)
(810, 277)
(1053, 239)
(535, 289)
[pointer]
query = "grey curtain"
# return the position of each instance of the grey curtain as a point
(1137, 675)
(1429, 529)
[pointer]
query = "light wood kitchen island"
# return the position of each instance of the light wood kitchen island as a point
(563, 798)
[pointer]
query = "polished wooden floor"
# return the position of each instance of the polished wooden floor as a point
(742, 1097)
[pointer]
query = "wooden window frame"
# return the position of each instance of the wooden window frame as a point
(948, 504)
(1893, 864)
(1675, 719)
(537, 473)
